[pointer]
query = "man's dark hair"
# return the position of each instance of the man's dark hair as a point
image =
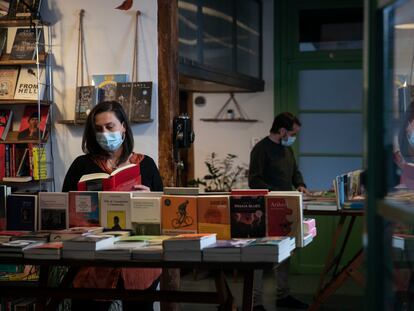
(34, 115)
(284, 120)
(89, 142)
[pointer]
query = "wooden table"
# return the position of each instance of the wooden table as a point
(332, 277)
(50, 297)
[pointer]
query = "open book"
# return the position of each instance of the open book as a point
(122, 179)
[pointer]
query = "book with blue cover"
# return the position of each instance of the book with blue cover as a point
(106, 85)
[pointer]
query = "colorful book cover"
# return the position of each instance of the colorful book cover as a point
(248, 216)
(106, 85)
(85, 101)
(116, 210)
(135, 97)
(27, 87)
(39, 161)
(53, 210)
(8, 81)
(179, 214)
(33, 126)
(83, 209)
(285, 216)
(6, 117)
(24, 44)
(213, 213)
(21, 212)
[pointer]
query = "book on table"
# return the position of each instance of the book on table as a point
(185, 242)
(178, 214)
(122, 179)
(213, 214)
(67, 234)
(119, 251)
(225, 250)
(53, 210)
(89, 242)
(146, 215)
(269, 249)
(51, 250)
(21, 212)
(15, 248)
(83, 209)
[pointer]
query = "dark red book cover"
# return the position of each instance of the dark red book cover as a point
(247, 216)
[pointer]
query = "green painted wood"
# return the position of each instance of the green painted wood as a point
(288, 63)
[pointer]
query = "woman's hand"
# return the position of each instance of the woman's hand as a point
(142, 188)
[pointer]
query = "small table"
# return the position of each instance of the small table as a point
(327, 286)
(50, 297)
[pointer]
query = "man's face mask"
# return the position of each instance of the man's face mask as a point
(289, 142)
(110, 141)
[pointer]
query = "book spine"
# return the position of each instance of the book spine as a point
(7, 160)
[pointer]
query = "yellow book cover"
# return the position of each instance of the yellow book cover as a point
(213, 215)
(39, 163)
(178, 214)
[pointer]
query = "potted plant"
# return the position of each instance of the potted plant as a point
(222, 175)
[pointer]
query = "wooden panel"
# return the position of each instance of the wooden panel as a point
(167, 86)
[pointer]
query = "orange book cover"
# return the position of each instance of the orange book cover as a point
(213, 213)
(178, 214)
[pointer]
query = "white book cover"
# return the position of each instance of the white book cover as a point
(116, 210)
(146, 209)
(53, 210)
(28, 84)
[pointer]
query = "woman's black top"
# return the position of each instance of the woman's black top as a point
(84, 164)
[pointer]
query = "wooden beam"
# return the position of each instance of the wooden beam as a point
(168, 106)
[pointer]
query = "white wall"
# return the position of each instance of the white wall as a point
(234, 137)
(109, 37)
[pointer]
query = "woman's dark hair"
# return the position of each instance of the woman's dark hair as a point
(89, 143)
(405, 148)
(284, 120)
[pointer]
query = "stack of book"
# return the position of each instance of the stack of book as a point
(269, 249)
(16, 248)
(152, 250)
(51, 250)
(118, 251)
(187, 247)
(84, 247)
(225, 250)
(67, 234)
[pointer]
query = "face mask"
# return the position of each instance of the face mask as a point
(410, 138)
(289, 142)
(109, 141)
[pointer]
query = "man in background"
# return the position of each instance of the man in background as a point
(273, 167)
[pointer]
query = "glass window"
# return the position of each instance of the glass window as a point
(330, 89)
(330, 29)
(188, 29)
(248, 38)
(218, 34)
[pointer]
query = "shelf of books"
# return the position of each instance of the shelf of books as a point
(26, 99)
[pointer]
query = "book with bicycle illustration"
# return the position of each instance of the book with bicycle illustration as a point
(122, 179)
(213, 214)
(178, 214)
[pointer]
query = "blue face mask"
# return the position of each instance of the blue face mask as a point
(410, 138)
(110, 141)
(289, 142)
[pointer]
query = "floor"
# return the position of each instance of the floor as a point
(349, 297)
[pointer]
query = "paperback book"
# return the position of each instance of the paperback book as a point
(24, 45)
(53, 210)
(6, 117)
(21, 212)
(213, 213)
(33, 125)
(31, 84)
(83, 209)
(106, 85)
(8, 81)
(179, 214)
(146, 215)
(50, 250)
(116, 210)
(85, 101)
(135, 97)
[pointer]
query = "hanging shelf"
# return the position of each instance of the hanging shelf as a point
(228, 115)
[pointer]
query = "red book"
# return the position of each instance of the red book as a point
(122, 179)
(33, 125)
(249, 192)
(5, 122)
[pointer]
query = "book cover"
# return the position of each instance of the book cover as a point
(21, 212)
(146, 215)
(106, 85)
(51, 250)
(189, 241)
(6, 8)
(85, 101)
(122, 179)
(8, 81)
(178, 214)
(135, 97)
(53, 210)
(23, 162)
(116, 210)
(247, 216)
(213, 213)
(28, 9)
(83, 209)
(39, 161)
(285, 216)
(24, 44)
(6, 117)
(28, 87)
(3, 162)
(4, 192)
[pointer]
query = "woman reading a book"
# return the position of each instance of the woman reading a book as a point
(108, 144)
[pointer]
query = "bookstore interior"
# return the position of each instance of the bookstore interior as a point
(317, 185)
